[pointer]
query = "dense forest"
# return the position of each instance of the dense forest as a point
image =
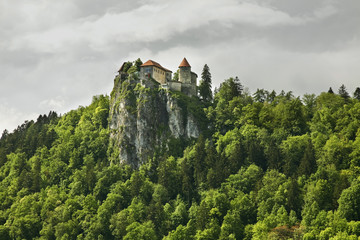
(268, 166)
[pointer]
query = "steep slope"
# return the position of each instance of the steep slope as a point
(144, 119)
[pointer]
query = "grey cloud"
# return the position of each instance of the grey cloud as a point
(95, 7)
(295, 7)
(23, 58)
(329, 34)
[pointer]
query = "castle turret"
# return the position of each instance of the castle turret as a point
(185, 71)
(187, 78)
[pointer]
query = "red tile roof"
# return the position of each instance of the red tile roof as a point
(184, 63)
(153, 63)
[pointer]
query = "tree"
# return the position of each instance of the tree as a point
(349, 202)
(293, 152)
(181, 233)
(271, 96)
(330, 101)
(35, 172)
(198, 155)
(357, 93)
(232, 226)
(127, 66)
(252, 145)
(4, 134)
(268, 197)
(169, 176)
(138, 63)
(231, 149)
(229, 89)
(188, 181)
(309, 101)
(308, 161)
(261, 95)
(140, 231)
(132, 69)
(336, 151)
(238, 87)
(176, 76)
(343, 93)
(205, 85)
(290, 115)
(330, 91)
(294, 197)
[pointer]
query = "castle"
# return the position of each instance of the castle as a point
(185, 83)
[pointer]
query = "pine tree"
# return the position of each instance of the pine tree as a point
(205, 85)
(357, 93)
(343, 93)
(271, 96)
(138, 63)
(260, 95)
(330, 91)
(238, 87)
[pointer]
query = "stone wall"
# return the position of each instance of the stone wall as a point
(168, 76)
(193, 78)
(185, 74)
(189, 89)
(159, 75)
(174, 86)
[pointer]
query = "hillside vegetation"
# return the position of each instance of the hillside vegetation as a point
(269, 166)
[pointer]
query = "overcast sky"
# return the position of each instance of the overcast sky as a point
(56, 55)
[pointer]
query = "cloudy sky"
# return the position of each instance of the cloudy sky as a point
(56, 55)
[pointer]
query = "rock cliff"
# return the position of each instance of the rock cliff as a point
(144, 119)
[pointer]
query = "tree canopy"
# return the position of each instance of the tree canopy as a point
(268, 166)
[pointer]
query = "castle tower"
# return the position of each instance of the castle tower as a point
(187, 78)
(185, 71)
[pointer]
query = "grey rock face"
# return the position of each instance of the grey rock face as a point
(143, 119)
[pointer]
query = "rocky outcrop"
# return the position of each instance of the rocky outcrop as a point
(144, 117)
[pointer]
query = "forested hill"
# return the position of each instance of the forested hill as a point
(266, 166)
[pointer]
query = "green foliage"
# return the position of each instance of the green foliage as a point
(349, 202)
(127, 66)
(138, 63)
(264, 167)
(229, 89)
(176, 76)
(343, 93)
(293, 153)
(139, 231)
(29, 136)
(205, 91)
